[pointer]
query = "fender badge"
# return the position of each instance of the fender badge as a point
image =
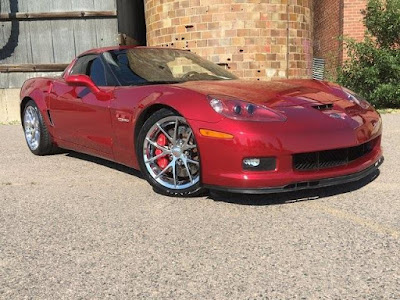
(336, 116)
(123, 120)
(123, 117)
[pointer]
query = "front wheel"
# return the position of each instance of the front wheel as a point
(168, 155)
(36, 134)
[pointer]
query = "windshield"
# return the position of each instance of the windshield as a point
(145, 66)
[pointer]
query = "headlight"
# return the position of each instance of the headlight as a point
(353, 97)
(236, 109)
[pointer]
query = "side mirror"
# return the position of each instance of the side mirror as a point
(83, 80)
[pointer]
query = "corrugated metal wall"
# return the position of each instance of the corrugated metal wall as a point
(47, 39)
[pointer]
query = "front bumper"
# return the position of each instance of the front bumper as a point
(305, 184)
(221, 160)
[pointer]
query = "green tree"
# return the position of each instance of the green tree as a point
(373, 68)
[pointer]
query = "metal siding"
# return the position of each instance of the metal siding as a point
(105, 5)
(15, 80)
(52, 41)
(85, 35)
(35, 5)
(63, 48)
(83, 4)
(4, 6)
(106, 27)
(4, 80)
(23, 54)
(61, 5)
(5, 38)
(104, 32)
(41, 42)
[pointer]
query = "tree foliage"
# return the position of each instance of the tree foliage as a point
(373, 68)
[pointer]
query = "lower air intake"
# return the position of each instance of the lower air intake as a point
(330, 158)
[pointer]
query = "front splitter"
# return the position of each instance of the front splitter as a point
(305, 185)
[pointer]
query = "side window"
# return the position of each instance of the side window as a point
(97, 72)
(82, 65)
(119, 65)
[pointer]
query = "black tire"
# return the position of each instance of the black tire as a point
(46, 145)
(194, 190)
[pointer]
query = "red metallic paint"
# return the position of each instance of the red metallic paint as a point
(105, 127)
(80, 117)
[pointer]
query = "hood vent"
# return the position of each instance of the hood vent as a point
(323, 106)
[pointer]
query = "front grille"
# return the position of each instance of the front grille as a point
(330, 158)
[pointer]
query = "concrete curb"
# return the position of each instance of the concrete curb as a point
(9, 106)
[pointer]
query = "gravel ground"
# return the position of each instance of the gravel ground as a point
(77, 227)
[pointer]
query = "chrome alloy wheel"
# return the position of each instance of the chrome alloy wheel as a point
(181, 162)
(32, 127)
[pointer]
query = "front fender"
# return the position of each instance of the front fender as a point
(36, 89)
(189, 104)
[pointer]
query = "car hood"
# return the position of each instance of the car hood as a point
(273, 94)
(322, 104)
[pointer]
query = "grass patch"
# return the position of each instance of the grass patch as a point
(389, 111)
(11, 123)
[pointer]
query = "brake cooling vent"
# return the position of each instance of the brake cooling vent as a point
(330, 158)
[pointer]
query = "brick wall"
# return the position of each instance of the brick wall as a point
(260, 39)
(333, 19)
(327, 30)
(352, 20)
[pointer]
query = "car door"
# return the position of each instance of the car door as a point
(79, 117)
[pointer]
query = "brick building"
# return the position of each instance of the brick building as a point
(261, 39)
(255, 39)
(334, 18)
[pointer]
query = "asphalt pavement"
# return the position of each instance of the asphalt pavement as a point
(77, 227)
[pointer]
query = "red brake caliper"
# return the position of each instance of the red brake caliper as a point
(162, 162)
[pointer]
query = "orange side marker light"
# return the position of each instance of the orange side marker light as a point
(216, 134)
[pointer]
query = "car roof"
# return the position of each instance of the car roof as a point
(116, 48)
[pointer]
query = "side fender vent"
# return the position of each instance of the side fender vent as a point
(49, 115)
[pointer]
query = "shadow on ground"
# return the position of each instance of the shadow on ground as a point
(105, 163)
(243, 199)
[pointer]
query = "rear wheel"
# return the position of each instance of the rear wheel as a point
(36, 134)
(168, 154)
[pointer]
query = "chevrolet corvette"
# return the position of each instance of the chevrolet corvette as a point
(190, 125)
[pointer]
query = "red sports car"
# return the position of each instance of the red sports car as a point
(189, 124)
